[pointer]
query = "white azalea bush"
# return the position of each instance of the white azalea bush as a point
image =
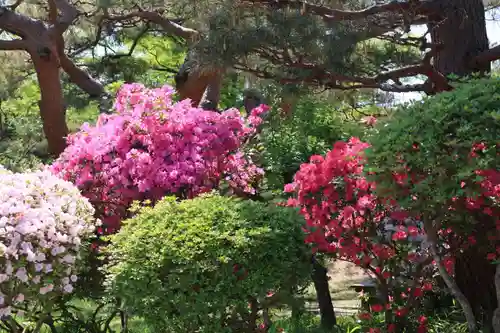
(44, 222)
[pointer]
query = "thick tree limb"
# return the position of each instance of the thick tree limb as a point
(19, 25)
(488, 56)
(11, 45)
(198, 85)
(80, 77)
(76, 74)
(67, 13)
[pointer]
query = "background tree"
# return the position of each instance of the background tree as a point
(38, 29)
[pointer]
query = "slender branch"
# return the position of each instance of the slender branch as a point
(431, 229)
(417, 7)
(167, 25)
(135, 42)
(334, 81)
(164, 69)
(455, 290)
(90, 45)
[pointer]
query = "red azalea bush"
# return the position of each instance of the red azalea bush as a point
(439, 159)
(428, 189)
(153, 147)
(348, 221)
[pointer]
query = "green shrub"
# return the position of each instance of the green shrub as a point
(287, 142)
(431, 143)
(197, 265)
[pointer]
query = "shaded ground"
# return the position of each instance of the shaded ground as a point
(342, 275)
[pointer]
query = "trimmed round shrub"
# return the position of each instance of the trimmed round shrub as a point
(208, 264)
(43, 223)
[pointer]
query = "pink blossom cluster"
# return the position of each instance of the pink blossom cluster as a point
(43, 222)
(255, 118)
(242, 172)
(152, 147)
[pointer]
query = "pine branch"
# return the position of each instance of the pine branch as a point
(488, 55)
(169, 26)
(416, 7)
(66, 14)
(13, 45)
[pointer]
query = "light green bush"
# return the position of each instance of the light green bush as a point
(197, 265)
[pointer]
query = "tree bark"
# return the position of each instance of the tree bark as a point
(76, 74)
(81, 78)
(320, 279)
(52, 109)
(201, 85)
(460, 28)
(211, 96)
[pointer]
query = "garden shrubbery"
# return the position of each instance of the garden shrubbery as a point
(209, 264)
(420, 190)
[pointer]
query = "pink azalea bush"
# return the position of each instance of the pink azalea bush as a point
(153, 147)
(43, 222)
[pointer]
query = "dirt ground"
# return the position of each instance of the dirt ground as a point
(342, 275)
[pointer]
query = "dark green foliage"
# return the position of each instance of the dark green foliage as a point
(22, 145)
(292, 44)
(194, 265)
(289, 140)
(434, 139)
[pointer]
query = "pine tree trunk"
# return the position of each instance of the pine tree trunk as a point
(461, 28)
(320, 279)
(52, 109)
(461, 31)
